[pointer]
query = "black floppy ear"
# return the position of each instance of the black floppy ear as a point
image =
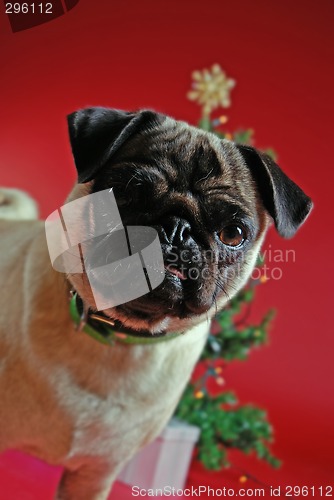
(287, 204)
(97, 133)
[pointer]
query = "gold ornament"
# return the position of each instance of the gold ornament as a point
(211, 89)
(199, 394)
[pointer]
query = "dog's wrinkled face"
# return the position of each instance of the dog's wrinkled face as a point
(209, 200)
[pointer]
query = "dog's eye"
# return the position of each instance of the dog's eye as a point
(232, 235)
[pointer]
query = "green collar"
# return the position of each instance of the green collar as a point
(97, 328)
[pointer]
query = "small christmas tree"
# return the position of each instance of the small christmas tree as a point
(223, 422)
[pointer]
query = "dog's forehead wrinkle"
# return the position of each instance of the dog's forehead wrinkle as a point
(234, 209)
(238, 199)
(181, 152)
(176, 137)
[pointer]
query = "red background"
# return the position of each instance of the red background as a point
(141, 54)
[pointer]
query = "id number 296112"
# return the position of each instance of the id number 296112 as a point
(28, 8)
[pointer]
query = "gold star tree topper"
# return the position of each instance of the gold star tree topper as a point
(211, 89)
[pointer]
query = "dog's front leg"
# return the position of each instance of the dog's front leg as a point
(92, 481)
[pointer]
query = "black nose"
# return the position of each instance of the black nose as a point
(176, 230)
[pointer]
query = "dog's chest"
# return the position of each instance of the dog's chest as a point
(126, 402)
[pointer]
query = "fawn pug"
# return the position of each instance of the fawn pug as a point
(73, 401)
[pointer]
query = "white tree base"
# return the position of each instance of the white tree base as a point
(164, 462)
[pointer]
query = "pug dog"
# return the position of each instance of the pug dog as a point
(74, 401)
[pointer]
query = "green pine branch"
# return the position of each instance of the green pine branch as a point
(224, 426)
(223, 422)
